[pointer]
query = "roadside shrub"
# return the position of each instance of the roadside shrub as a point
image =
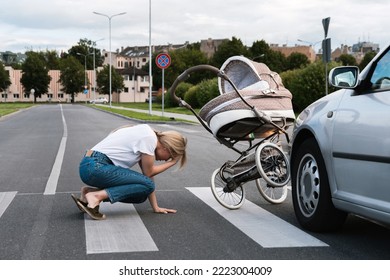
(208, 89)
(306, 84)
(182, 88)
(190, 96)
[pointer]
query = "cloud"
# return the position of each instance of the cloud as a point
(60, 24)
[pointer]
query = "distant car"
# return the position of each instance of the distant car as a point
(154, 99)
(100, 100)
(340, 150)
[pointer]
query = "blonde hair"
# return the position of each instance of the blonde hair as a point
(175, 143)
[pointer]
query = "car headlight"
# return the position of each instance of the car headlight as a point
(302, 117)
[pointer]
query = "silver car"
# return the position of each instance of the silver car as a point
(340, 150)
(100, 100)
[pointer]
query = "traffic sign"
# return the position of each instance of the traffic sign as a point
(326, 50)
(163, 60)
(325, 24)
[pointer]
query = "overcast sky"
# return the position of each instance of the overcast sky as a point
(60, 24)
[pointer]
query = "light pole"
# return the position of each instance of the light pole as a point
(109, 31)
(259, 56)
(150, 57)
(94, 67)
(85, 68)
(310, 43)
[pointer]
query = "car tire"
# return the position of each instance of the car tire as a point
(311, 193)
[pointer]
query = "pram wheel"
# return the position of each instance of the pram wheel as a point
(231, 198)
(272, 164)
(274, 195)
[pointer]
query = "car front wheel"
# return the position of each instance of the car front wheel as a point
(311, 192)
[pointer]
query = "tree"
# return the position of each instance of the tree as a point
(366, 59)
(228, 49)
(35, 75)
(86, 47)
(306, 84)
(261, 52)
(181, 60)
(347, 60)
(51, 58)
(72, 76)
(5, 81)
(258, 50)
(103, 81)
(297, 60)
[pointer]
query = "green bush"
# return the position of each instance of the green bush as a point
(307, 84)
(181, 89)
(190, 96)
(208, 89)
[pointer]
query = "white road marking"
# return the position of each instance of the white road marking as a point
(5, 200)
(122, 231)
(268, 230)
(52, 182)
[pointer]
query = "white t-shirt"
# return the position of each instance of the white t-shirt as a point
(125, 145)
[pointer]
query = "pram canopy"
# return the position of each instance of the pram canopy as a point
(228, 116)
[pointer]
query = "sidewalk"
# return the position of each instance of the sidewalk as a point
(191, 117)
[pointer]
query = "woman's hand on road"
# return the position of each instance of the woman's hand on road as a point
(164, 210)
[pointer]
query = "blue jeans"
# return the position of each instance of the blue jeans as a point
(121, 184)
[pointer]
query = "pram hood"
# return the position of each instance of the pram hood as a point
(257, 84)
(248, 75)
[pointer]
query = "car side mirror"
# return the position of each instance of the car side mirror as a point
(344, 77)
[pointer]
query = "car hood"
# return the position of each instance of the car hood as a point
(324, 104)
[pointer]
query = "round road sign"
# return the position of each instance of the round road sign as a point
(163, 60)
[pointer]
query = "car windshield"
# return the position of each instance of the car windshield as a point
(381, 76)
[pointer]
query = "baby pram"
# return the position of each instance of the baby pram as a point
(254, 109)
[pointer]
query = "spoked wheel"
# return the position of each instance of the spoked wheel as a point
(274, 195)
(272, 164)
(231, 199)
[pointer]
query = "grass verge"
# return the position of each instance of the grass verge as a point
(155, 107)
(8, 108)
(137, 115)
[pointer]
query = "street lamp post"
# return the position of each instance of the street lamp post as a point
(85, 68)
(259, 56)
(109, 31)
(94, 67)
(307, 42)
(150, 57)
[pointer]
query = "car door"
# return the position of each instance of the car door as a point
(361, 142)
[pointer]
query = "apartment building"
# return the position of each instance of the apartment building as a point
(128, 62)
(308, 51)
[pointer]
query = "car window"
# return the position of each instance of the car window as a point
(381, 76)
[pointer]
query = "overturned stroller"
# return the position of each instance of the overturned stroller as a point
(251, 112)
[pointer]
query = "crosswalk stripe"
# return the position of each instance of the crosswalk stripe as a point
(268, 230)
(5, 200)
(122, 231)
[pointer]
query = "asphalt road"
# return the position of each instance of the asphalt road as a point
(40, 149)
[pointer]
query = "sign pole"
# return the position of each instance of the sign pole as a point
(163, 94)
(163, 60)
(326, 50)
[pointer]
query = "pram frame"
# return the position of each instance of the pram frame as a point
(242, 177)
